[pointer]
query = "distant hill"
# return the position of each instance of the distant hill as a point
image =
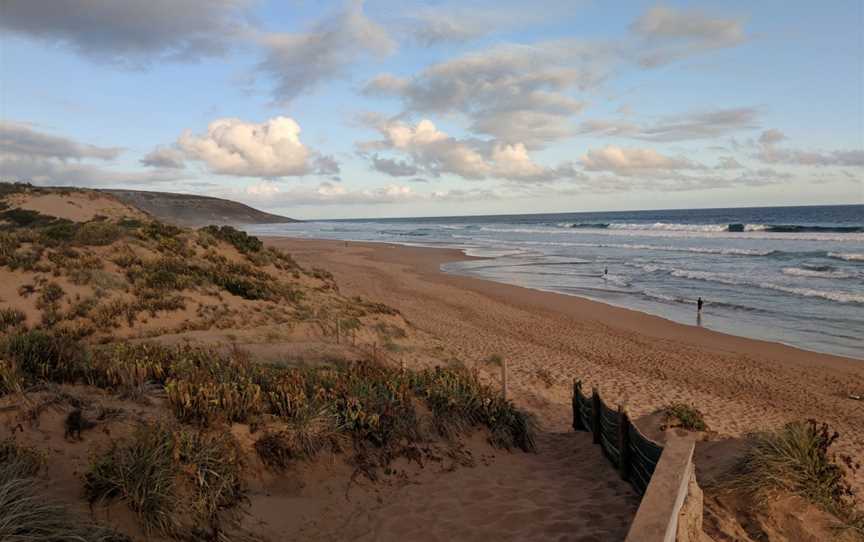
(193, 211)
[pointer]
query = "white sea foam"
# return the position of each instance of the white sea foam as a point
(847, 256)
(816, 273)
(733, 280)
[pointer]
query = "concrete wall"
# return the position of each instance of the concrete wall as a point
(671, 509)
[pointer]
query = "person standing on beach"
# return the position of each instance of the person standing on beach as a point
(699, 305)
(605, 272)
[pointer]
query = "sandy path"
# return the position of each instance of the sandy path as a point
(567, 492)
(740, 384)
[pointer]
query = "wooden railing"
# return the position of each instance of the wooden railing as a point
(664, 477)
(632, 453)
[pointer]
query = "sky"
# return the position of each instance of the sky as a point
(317, 109)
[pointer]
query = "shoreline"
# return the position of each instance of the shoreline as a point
(632, 319)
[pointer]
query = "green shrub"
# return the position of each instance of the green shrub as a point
(242, 241)
(684, 415)
(59, 233)
(98, 233)
(50, 294)
(25, 218)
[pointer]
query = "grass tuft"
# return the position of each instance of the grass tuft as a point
(797, 459)
(24, 516)
(685, 416)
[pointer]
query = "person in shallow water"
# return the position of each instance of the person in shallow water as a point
(699, 305)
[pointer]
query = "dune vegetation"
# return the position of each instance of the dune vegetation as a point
(85, 306)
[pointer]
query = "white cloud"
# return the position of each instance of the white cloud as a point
(46, 159)
(435, 153)
(627, 161)
(131, 34)
(515, 93)
(298, 62)
(164, 157)
(769, 152)
(269, 149)
(693, 125)
(670, 34)
(20, 139)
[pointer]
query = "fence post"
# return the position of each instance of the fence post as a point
(577, 415)
(504, 378)
(595, 414)
(624, 442)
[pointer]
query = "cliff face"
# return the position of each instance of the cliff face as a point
(193, 211)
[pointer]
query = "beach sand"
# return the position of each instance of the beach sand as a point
(741, 385)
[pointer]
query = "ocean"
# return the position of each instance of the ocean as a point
(793, 275)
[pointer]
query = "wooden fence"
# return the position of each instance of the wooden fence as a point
(632, 453)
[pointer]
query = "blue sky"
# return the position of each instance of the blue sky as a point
(386, 108)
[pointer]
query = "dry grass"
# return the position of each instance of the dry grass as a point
(176, 481)
(797, 459)
(26, 517)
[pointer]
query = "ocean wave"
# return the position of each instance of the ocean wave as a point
(847, 256)
(670, 248)
(708, 228)
(733, 280)
(821, 273)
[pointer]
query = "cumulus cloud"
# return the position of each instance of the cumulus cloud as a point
(515, 93)
(298, 62)
(164, 157)
(694, 125)
(669, 34)
(269, 149)
(433, 152)
(627, 161)
(129, 33)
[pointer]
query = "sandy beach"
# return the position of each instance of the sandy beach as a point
(741, 385)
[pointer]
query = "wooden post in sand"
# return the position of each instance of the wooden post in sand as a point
(624, 443)
(577, 414)
(504, 378)
(595, 414)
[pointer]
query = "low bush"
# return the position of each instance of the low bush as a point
(685, 416)
(242, 241)
(98, 233)
(50, 294)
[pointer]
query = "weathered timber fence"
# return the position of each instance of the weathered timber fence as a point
(632, 453)
(671, 506)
